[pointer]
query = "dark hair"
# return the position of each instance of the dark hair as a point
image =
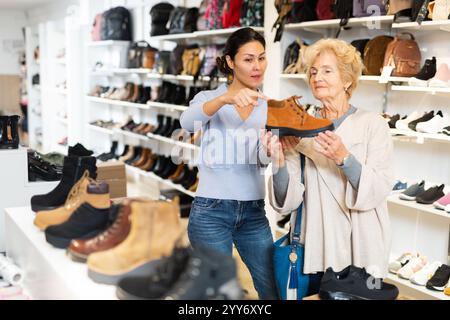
(236, 40)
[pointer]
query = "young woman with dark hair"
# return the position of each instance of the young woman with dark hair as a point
(229, 203)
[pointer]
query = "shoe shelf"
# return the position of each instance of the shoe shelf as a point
(100, 129)
(430, 90)
(138, 105)
(442, 25)
(372, 22)
(410, 289)
(107, 43)
(200, 35)
(378, 79)
(118, 102)
(425, 208)
(157, 137)
(419, 137)
(150, 74)
(48, 272)
(159, 179)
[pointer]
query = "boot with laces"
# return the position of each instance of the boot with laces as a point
(80, 249)
(85, 190)
(290, 118)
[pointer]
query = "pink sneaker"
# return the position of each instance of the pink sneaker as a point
(442, 77)
(442, 202)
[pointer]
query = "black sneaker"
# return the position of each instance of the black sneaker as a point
(431, 195)
(207, 275)
(393, 121)
(446, 130)
(157, 284)
(413, 191)
(439, 279)
(86, 222)
(355, 283)
(427, 116)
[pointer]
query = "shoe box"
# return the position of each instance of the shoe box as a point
(113, 173)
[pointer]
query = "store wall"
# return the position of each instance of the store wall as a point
(11, 40)
(53, 11)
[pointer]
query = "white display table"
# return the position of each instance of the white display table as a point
(15, 189)
(48, 272)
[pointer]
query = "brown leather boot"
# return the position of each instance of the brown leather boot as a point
(85, 190)
(80, 249)
(135, 95)
(177, 173)
(290, 118)
(142, 159)
(151, 159)
(155, 228)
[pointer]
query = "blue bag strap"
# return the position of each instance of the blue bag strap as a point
(298, 219)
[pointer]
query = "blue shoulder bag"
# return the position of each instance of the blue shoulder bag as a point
(288, 258)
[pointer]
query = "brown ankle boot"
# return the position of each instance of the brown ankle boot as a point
(155, 228)
(291, 119)
(143, 158)
(80, 249)
(85, 190)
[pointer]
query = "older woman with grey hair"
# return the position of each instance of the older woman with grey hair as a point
(348, 173)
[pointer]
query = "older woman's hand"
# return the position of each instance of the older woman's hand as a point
(276, 147)
(331, 146)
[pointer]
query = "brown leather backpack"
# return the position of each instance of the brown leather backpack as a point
(404, 55)
(373, 56)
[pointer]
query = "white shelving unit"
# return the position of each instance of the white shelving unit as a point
(375, 79)
(429, 90)
(413, 290)
(420, 137)
(34, 91)
(417, 207)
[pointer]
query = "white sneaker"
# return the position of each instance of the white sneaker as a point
(421, 277)
(441, 10)
(435, 125)
(442, 77)
(400, 262)
(403, 124)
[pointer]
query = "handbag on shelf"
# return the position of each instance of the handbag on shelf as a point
(288, 258)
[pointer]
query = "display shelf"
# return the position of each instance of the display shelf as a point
(159, 138)
(379, 79)
(423, 208)
(107, 43)
(371, 22)
(100, 129)
(200, 35)
(420, 137)
(159, 179)
(442, 25)
(148, 105)
(149, 73)
(430, 90)
(118, 102)
(48, 272)
(410, 289)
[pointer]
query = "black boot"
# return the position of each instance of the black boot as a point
(145, 95)
(73, 170)
(136, 155)
(428, 70)
(40, 169)
(109, 155)
(180, 95)
(79, 150)
(161, 124)
(175, 126)
(167, 126)
(163, 92)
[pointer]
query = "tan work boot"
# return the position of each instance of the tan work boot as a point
(83, 191)
(291, 119)
(155, 228)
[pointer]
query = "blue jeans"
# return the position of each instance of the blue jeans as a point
(217, 224)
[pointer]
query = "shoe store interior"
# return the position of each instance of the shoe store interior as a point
(102, 171)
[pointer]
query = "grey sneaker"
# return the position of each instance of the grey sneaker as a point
(208, 275)
(413, 191)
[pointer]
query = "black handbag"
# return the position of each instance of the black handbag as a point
(183, 20)
(160, 15)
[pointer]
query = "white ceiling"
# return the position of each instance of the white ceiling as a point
(22, 4)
